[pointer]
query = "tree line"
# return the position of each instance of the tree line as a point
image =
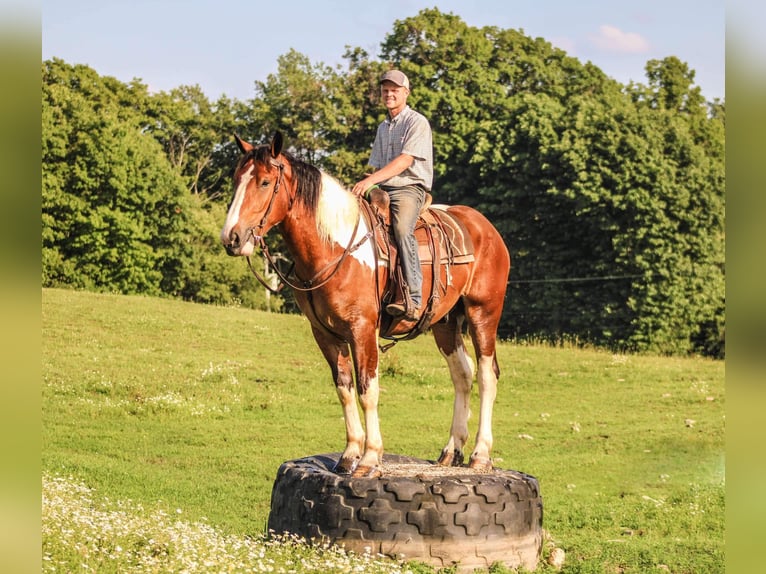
(610, 197)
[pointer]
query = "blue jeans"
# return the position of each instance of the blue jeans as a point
(406, 203)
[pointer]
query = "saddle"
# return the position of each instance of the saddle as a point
(443, 241)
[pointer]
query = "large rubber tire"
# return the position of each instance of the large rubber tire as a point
(436, 515)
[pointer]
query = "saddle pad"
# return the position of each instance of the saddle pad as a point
(455, 245)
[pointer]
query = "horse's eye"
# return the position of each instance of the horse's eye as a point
(265, 183)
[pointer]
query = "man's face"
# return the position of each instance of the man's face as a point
(394, 97)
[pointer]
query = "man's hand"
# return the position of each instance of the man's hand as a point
(392, 168)
(362, 186)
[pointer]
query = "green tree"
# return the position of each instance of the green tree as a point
(197, 136)
(356, 113)
(692, 142)
(118, 213)
(297, 100)
(609, 198)
(113, 211)
(672, 83)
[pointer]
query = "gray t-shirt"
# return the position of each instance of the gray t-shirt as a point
(410, 133)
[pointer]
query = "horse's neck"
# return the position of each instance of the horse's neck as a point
(316, 236)
(301, 237)
(311, 253)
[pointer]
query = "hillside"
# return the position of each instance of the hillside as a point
(193, 407)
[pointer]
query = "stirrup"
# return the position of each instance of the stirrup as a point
(396, 309)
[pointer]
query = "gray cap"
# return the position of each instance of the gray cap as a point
(396, 77)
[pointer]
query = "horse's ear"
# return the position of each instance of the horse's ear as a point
(276, 144)
(242, 144)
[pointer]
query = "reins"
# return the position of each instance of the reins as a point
(321, 277)
(310, 284)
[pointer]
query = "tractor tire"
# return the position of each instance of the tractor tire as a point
(417, 510)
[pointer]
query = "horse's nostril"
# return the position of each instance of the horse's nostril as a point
(234, 238)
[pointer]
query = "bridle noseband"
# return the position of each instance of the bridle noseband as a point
(311, 284)
(257, 237)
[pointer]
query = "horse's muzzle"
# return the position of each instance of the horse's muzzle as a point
(237, 246)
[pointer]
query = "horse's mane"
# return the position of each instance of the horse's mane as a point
(307, 175)
(334, 207)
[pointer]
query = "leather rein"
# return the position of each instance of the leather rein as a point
(310, 284)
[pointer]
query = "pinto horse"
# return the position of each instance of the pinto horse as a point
(335, 257)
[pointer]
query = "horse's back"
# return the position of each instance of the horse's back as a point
(487, 241)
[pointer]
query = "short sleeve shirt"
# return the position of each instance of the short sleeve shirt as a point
(410, 133)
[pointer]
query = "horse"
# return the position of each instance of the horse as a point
(340, 287)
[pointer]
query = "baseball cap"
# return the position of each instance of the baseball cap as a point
(396, 77)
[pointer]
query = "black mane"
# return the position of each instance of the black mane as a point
(307, 176)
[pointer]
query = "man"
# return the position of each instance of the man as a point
(402, 156)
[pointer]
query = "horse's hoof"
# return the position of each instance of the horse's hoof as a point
(367, 472)
(454, 458)
(480, 463)
(346, 466)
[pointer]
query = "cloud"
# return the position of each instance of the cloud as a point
(612, 39)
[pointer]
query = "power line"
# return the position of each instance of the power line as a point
(575, 279)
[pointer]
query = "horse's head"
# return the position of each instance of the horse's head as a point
(261, 196)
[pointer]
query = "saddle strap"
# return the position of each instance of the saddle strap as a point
(376, 227)
(434, 295)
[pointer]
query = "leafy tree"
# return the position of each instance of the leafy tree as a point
(673, 86)
(297, 102)
(117, 215)
(590, 184)
(107, 191)
(356, 113)
(197, 136)
(692, 142)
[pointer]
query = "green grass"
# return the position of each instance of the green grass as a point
(172, 405)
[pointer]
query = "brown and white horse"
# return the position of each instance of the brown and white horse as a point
(330, 244)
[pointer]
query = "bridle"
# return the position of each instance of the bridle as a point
(257, 237)
(310, 284)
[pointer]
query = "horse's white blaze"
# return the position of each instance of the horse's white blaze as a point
(337, 214)
(232, 218)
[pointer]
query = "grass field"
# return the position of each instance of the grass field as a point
(173, 418)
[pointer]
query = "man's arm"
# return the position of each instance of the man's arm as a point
(392, 168)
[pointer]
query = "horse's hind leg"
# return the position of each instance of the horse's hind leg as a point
(339, 359)
(449, 339)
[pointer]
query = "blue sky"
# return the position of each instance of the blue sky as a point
(224, 46)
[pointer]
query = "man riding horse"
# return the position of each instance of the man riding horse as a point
(402, 156)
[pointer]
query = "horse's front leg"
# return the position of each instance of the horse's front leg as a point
(364, 347)
(337, 356)
(481, 457)
(483, 334)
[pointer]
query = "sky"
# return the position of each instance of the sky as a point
(225, 46)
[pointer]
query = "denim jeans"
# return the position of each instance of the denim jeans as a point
(405, 207)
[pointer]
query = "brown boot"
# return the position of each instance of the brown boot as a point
(413, 314)
(396, 309)
(408, 312)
